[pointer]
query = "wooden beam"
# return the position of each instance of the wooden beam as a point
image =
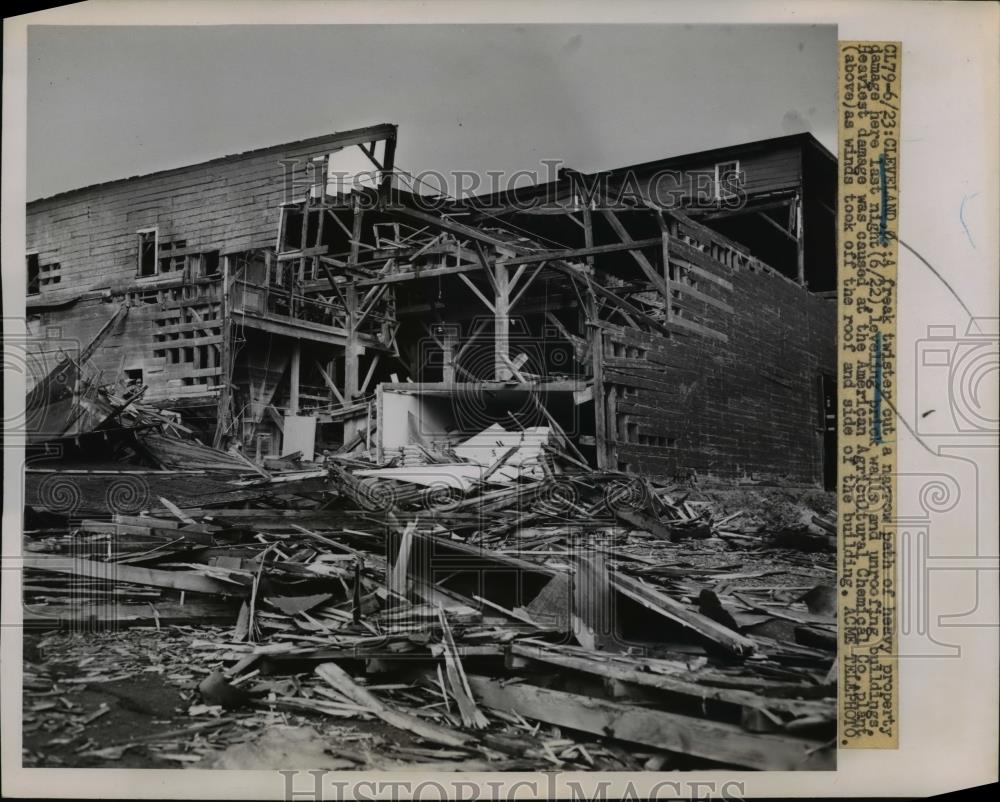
(470, 339)
(661, 603)
(351, 346)
(331, 384)
(388, 165)
(527, 283)
(638, 255)
(338, 679)
(459, 229)
(115, 572)
(768, 219)
(626, 670)
(369, 151)
(512, 368)
(600, 409)
(576, 253)
(369, 374)
(501, 324)
(272, 413)
(293, 378)
(479, 294)
(801, 239)
(722, 214)
(223, 412)
(665, 258)
(417, 274)
(711, 740)
(487, 267)
(369, 302)
(356, 232)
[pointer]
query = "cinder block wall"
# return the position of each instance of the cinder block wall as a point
(747, 408)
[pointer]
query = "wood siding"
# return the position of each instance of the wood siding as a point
(228, 205)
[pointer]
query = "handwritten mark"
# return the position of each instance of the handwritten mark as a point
(877, 401)
(883, 217)
(940, 278)
(961, 217)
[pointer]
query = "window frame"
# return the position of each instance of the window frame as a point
(719, 196)
(27, 273)
(155, 231)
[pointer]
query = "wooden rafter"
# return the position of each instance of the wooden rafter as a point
(478, 292)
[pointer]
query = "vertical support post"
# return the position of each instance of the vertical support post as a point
(351, 346)
(331, 371)
(379, 453)
(588, 232)
(225, 368)
(600, 412)
(596, 354)
(368, 427)
(613, 434)
(351, 296)
(448, 356)
(356, 231)
(293, 378)
(388, 162)
(668, 295)
(800, 239)
(501, 323)
(318, 166)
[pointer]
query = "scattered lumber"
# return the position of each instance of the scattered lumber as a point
(532, 612)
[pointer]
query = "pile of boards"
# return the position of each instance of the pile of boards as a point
(559, 618)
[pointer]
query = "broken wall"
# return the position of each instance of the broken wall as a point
(228, 205)
(747, 408)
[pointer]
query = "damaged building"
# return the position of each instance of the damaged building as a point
(673, 318)
(526, 479)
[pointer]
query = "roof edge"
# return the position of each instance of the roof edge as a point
(368, 133)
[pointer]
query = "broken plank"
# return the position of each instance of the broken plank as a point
(711, 740)
(341, 681)
(659, 602)
(175, 511)
(116, 572)
(621, 670)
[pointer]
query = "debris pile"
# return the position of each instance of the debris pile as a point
(499, 606)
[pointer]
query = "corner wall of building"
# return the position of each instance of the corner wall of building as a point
(745, 409)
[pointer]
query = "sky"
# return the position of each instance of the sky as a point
(113, 102)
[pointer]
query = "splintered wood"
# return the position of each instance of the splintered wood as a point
(577, 619)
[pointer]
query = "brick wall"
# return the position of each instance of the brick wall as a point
(745, 408)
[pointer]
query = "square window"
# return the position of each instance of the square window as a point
(728, 179)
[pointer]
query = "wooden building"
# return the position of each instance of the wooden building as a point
(275, 304)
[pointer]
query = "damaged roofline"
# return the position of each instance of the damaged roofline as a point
(354, 136)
